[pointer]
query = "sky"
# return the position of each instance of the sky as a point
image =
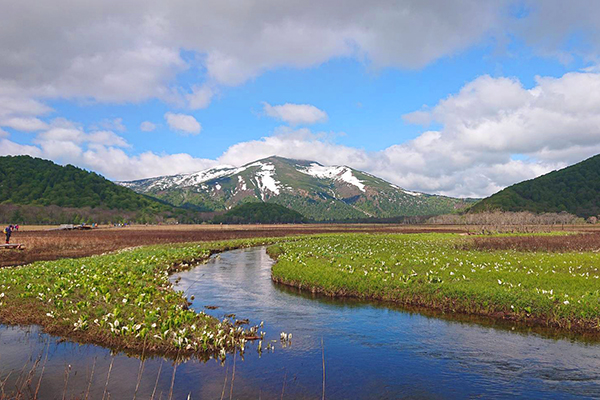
(460, 98)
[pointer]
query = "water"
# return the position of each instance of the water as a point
(370, 351)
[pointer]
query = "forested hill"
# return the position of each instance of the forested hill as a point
(26, 180)
(575, 189)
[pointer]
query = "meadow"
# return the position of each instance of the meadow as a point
(542, 283)
(123, 300)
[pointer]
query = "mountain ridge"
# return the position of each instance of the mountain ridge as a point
(317, 191)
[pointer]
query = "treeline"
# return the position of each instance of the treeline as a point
(260, 213)
(407, 220)
(46, 215)
(506, 221)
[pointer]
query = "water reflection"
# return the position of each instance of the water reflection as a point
(371, 350)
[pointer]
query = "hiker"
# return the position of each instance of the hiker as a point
(8, 231)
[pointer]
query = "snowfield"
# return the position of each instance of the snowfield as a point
(337, 173)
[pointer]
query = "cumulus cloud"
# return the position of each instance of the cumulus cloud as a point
(147, 126)
(295, 113)
(184, 123)
(132, 51)
(9, 148)
(24, 124)
(117, 164)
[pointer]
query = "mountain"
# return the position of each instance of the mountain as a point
(260, 213)
(28, 181)
(574, 189)
(316, 191)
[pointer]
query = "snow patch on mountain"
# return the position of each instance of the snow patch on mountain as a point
(265, 179)
(203, 176)
(242, 182)
(405, 191)
(338, 173)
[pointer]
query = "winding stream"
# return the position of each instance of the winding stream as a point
(370, 351)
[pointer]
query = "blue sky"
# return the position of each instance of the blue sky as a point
(504, 91)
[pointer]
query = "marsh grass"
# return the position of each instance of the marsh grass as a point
(583, 242)
(442, 272)
(122, 301)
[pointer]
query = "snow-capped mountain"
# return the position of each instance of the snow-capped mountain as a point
(317, 191)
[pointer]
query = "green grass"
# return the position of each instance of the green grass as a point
(126, 301)
(122, 300)
(554, 289)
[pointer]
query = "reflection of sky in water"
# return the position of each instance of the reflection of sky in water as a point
(370, 351)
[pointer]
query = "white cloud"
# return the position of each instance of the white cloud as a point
(24, 124)
(147, 126)
(183, 123)
(106, 138)
(3, 133)
(131, 51)
(300, 144)
(9, 148)
(62, 134)
(115, 124)
(200, 97)
(295, 113)
(117, 164)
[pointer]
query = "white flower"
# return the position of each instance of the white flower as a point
(566, 302)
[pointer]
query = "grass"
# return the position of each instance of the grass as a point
(122, 300)
(125, 300)
(440, 271)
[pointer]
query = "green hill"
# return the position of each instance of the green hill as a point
(26, 182)
(575, 189)
(260, 213)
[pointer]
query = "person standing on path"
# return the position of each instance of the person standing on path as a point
(8, 231)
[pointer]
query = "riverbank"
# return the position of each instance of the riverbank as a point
(123, 301)
(442, 272)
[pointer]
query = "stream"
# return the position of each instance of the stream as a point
(370, 350)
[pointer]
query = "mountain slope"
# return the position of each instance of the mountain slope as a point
(26, 182)
(316, 191)
(575, 189)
